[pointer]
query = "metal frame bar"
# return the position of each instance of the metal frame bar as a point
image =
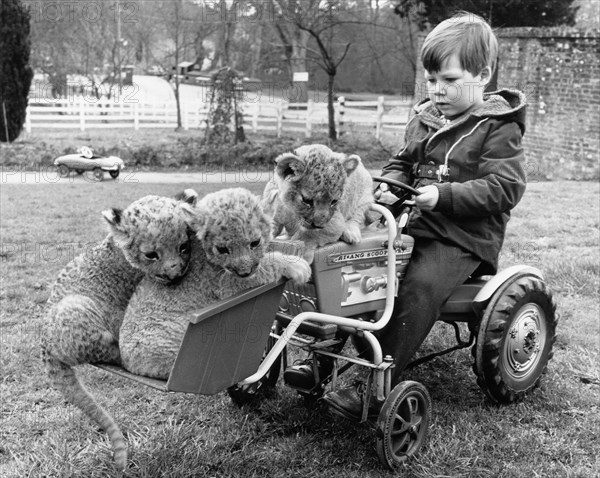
(367, 327)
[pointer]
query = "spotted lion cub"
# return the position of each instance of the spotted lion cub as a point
(319, 196)
(229, 255)
(150, 238)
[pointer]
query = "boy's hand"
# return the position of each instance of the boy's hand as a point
(428, 198)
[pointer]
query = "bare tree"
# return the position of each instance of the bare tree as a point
(228, 22)
(181, 18)
(321, 21)
(294, 41)
(77, 41)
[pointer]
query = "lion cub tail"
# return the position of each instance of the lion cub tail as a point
(64, 379)
(72, 338)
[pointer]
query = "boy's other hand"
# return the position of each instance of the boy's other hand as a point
(428, 198)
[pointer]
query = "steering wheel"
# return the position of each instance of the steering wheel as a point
(398, 184)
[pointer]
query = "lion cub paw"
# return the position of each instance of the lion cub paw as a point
(352, 234)
(297, 269)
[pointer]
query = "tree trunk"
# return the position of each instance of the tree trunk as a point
(225, 34)
(330, 108)
(177, 81)
(298, 65)
(256, 51)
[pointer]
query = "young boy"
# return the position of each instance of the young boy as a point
(463, 153)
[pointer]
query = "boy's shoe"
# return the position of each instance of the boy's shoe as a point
(348, 402)
(300, 376)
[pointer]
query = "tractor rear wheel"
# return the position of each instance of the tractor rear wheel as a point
(515, 339)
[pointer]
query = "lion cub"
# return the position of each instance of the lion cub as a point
(319, 196)
(150, 238)
(229, 255)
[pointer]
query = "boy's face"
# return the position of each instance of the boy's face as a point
(454, 90)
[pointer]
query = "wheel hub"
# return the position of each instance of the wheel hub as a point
(525, 340)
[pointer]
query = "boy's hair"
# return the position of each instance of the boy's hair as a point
(466, 34)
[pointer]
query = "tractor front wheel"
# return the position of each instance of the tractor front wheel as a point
(402, 423)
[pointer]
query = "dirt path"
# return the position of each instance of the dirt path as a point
(50, 176)
(231, 178)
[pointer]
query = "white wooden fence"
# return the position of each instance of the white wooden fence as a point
(276, 117)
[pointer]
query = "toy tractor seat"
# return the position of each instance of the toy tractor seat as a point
(459, 306)
(224, 343)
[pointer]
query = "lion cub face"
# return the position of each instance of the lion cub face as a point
(154, 236)
(312, 180)
(233, 230)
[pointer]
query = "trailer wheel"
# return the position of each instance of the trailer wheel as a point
(402, 423)
(63, 171)
(265, 387)
(515, 339)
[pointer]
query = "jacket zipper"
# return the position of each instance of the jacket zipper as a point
(445, 170)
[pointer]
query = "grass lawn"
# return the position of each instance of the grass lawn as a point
(553, 433)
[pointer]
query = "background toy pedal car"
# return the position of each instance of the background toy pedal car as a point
(86, 160)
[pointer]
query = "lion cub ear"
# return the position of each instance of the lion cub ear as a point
(194, 217)
(289, 167)
(116, 224)
(189, 196)
(350, 163)
(114, 217)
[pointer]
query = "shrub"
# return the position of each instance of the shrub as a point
(15, 72)
(147, 156)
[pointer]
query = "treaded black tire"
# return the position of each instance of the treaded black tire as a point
(515, 339)
(266, 386)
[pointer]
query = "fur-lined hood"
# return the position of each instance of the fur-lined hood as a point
(502, 103)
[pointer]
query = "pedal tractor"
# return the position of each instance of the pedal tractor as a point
(510, 317)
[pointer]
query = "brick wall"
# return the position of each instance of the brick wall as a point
(559, 71)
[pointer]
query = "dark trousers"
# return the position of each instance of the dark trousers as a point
(435, 270)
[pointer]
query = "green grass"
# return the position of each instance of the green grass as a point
(554, 433)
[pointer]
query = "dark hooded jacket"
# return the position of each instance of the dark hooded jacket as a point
(484, 160)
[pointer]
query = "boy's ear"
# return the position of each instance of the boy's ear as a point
(289, 167)
(486, 75)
